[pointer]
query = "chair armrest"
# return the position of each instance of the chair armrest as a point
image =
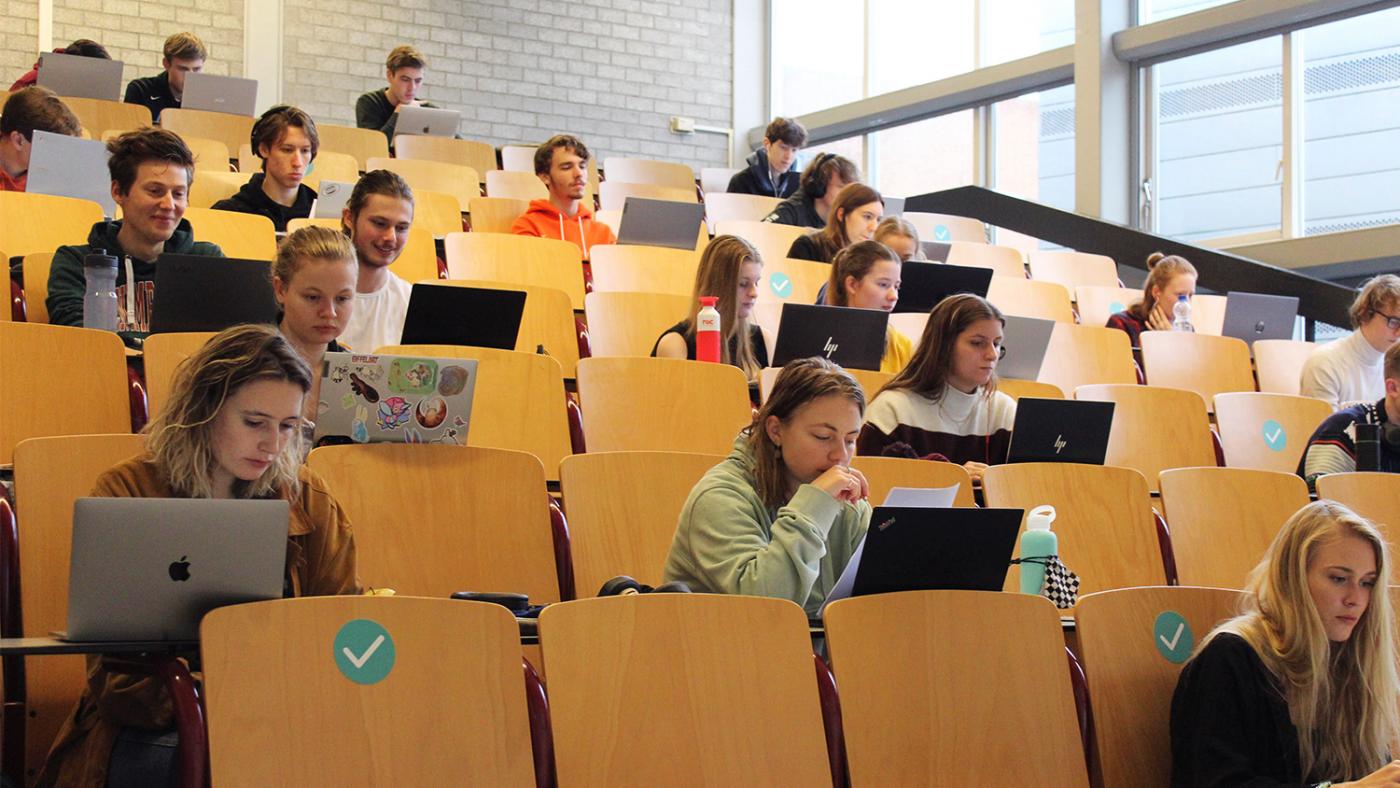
(136, 393)
(563, 550)
(19, 307)
(1082, 709)
(1164, 543)
(541, 734)
(585, 344)
(575, 414)
(1215, 443)
(831, 723)
(14, 701)
(192, 755)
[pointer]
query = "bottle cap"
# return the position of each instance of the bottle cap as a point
(98, 258)
(1181, 297)
(709, 300)
(1040, 518)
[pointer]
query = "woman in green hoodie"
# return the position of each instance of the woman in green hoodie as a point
(782, 514)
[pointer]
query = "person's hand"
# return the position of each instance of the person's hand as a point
(413, 103)
(1388, 774)
(843, 483)
(975, 469)
(1157, 320)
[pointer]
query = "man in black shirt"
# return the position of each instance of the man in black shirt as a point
(772, 170)
(184, 54)
(285, 139)
(378, 109)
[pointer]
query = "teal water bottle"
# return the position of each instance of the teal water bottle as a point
(1037, 542)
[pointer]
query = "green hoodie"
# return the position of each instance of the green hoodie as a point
(67, 282)
(729, 542)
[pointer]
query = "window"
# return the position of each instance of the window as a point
(1033, 146)
(912, 43)
(1157, 10)
(1018, 29)
(922, 157)
(818, 55)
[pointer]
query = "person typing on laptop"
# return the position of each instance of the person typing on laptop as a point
(379, 109)
(561, 164)
(183, 53)
(865, 275)
(313, 279)
(151, 173)
(729, 269)
(231, 429)
(782, 515)
(285, 139)
(1349, 370)
(944, 404)
(377, 218)
(27, 111)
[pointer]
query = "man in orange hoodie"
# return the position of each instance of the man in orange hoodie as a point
(562, 166)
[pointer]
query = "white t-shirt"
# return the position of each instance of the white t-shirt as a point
(378, 317)
(1345, 371)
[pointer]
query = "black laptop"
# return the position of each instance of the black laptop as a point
(660, 223)
(1253, 316)
(915, 549)
(474, 316)
(1060, 430)
(201, 293)
(853, 338)
(923, 285)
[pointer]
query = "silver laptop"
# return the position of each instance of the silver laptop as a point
(331, 199)
(660, 223)
(429, 121)
(215, 93)
(1252, 316)
(71, 167)
(81, 77)
(1025, 340)
(394, 399)
(150, 568)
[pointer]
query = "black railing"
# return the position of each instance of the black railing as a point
(1318, 301)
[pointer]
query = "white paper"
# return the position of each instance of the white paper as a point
(331, 197)
(921, 497)
(847, 580)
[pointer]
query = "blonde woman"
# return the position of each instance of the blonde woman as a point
(730, 270)
(900, 235)
(1301, 688)
(313, 280)
(230, 430)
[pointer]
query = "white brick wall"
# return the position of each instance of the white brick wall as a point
(17, 37)
(135, 30)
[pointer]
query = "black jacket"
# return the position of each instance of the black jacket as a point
(755, 179)
(153, 93)
(806, 247)
(799, 210)
(252, 199)
(374, 110)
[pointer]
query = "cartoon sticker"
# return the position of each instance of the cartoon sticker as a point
(394, 412)
(363, 388)
(412, 376)
(430, 412)
(452, 380)
(347, 401)
(359, 432)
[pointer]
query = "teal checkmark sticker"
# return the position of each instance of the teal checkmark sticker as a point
(940, 233)
(1116, 307)
(364, 651)
(780, 284)
(1274, 436)
(1172, 636)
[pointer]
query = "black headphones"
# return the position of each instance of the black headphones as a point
(622, 585)
(817, 175)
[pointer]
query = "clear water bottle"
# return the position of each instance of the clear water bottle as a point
(100, 298)
(1181, 312)
(707, 330)
(1037, 544)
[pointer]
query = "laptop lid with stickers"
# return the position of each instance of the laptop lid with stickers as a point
(394, 399)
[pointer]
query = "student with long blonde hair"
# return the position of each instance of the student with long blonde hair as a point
(1301, 688)
(730, 270)
(865, 275)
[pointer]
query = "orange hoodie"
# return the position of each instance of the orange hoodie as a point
(543, 220)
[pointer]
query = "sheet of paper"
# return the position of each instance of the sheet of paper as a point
(921, 497)
(331, 197)
(847, 580)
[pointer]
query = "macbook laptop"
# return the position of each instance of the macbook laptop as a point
(474, 316)
(1060, 430)
(197, 293)
(918, 549)
(853, 338)
(150, 568)
(1251, 316)
(394, 399)
(936, 251)
(215, 93)
(1025, 340)
(429, 121)
(71, 167)
(923, 285)
(80, 77)
(660, 223)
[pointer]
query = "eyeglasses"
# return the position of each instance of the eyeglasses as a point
(1391, 322)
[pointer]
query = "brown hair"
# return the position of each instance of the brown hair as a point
(787, 130)
(718, 275)
(1392, 362)
(185, 46)
(1161, 270)
(86, 47)
(37, 108)
(275, 122)
(405, 57)
(1378, 294)
(832, 238)
(800, 382)
(898, 226)
(927, 372)
(134, 148)
(819, 170)
(544, 154)
(312, 242)
(385, 182)
(855, 260)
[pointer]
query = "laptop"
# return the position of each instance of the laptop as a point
(894, 206)
(1025, 340)
(71, 167)
(852, 338)
(80, 77)
(1251, 316)
(936, 251)
(331, 199)
(394, 399)
(1060, 430)
(150, 568)
(922, 285)
(215, 93)
(198, 293)
(668, 223)
(428, 121)
(918, 549)
(473, 316)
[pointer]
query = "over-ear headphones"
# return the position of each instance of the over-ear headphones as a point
(818, 175)
(622, 585)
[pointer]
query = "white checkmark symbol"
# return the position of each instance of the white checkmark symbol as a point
(359, 662)
(1274, 437)
(1170, 644)
(783, 287)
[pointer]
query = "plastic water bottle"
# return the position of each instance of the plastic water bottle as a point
(1182, 314)
(1036, 543)
(707, 330)
(100, 299)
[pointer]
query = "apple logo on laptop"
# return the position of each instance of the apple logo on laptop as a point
(1259, 327)
(180, 570)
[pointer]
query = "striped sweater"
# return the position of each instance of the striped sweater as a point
(960, 427)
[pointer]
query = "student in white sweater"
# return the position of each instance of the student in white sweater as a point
(377, 218)
(1350, 369)
(944, 405)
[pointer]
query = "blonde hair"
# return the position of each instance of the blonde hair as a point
(185, 46)
(800, 382)
(718, 275)
(181, 436)
(899, 227)
(311, 243)
(1341, 696)
(1379, 293)
(1161, 270)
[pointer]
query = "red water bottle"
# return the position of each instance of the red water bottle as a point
(707, 330)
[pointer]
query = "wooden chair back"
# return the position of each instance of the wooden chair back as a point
(1207, 365)
(515, 185)
(770, 239)
(1030, 298)
(436, 212)
(789, 280)
(715, 180)
(66, 220)
(99, 116)
(1279, 364)
(649, 171)
(724, 207)
(210, 155)
(1208, 314)
(1097, 303)
(1016, 389)
(886, 473)
(363, 144)
(871, 381)
(1073, 269)
(945, 228)
(612, 195)
(661, 404)
(1154, 428)
(332, 166)
(36, 286)
(209, 187)
(1375, 496)
(495, 214)
(231, 130)
(1267, 431)
(1003, 260)
(163, 354)
(518, 158)
(517, 259)
(643, 269)
(1082, 355)
(242, 235)
(629, 324)
(474, 154)
(434, 176)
